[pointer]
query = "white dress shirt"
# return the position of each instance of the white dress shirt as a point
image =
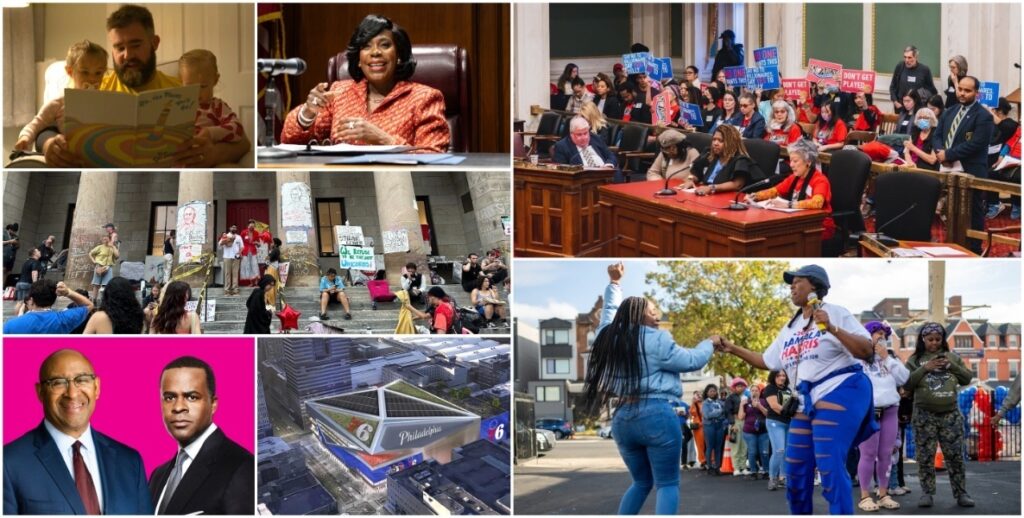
(65, 444)
(233, 250)
(192, 450)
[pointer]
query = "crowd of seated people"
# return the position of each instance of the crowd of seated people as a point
(922, 130)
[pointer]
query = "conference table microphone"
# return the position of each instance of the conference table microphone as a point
(670, 192)
(756, 186)
(882, 238)
(275, 67)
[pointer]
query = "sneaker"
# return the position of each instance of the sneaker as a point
(764, 475)
(994, 210)
(899, 491)
(817, 478)
(906, 490)
(965, 500)
(749, 477)
(323, 316)
(781, 482)
(737, 473)
(772, 485)
(348, 316)
(925, 501)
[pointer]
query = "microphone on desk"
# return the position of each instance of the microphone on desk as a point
(670, 192)
(882, 238)
(771, 181)
(274, 67)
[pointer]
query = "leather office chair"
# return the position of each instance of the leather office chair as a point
(847, 177)
(765, 153)
(895, 193)
(547, 134)
(444, 67)
(631, 147)
(700, 141)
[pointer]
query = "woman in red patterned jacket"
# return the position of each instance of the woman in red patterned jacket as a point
(379, 105)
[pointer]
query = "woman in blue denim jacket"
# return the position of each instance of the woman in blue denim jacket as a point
(633, 360)
(715, 424)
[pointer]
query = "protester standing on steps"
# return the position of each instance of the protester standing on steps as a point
(639, 364)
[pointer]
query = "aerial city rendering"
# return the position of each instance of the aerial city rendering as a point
(383, 426)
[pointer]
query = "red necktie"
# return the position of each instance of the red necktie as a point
(83, 481)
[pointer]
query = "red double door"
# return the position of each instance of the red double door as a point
(241, 211)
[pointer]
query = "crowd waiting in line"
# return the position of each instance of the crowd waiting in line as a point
(950, 133)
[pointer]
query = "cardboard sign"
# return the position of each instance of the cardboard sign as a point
(691, 114)
(133, 271)
(767, 57)
(189, 253)
(665, 66)
(824, 72)
(856, 81)
(764, 78)
(190, 224)
(356, 257)
(735, 76)
(348, 235)
(635, 63)
(282, 272)
(988, 94)
(396, 241)
(210, 313)
(796, 89)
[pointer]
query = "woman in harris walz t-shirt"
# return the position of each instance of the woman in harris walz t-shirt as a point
(819, 349)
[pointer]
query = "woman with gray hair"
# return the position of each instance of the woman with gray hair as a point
(806, 188)
(918, 149)
(957, 71)
(676, 156)
(782, 127)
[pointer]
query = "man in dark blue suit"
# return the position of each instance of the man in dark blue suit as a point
(63, 466)
(963, 135)
(584, 148)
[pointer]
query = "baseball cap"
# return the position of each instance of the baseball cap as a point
(810, 271)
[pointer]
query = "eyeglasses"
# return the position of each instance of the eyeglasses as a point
(82, 381)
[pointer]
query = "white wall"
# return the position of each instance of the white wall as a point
(228, 30)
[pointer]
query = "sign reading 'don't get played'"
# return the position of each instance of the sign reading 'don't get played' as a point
(857, 81)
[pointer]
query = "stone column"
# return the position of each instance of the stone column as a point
(397, 210)
(532, 64)
(490, 193)
(294, 225)
(94, 207)
(197, 186)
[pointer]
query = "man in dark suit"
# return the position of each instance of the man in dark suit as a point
(211, 474)
(963, 135)
(582, 147)
(63, 466)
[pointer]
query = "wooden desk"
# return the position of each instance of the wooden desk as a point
(872, 248)
(556, 211)
(635, 223)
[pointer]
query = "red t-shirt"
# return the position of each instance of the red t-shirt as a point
(861, 124)
(784, 137)
(801, 117)
(1014, 144)
(818, 186)
(838, 135)
(443, 317)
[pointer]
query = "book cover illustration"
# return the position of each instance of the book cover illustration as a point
(111, 129)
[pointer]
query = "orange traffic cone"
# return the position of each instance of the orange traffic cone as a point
(939, 459)
(727, 459)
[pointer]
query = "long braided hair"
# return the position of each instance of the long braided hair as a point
(616, 357)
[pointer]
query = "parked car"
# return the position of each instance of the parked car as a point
(560, 427)
(605, 432)
(545, 440)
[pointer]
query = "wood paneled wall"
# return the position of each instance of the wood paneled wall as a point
(315, 32)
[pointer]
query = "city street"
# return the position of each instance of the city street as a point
(586, 476)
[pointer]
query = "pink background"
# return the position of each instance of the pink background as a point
(128, 408)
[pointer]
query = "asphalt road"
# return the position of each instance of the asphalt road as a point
(586, 476)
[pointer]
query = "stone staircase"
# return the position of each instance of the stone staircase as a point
(231, 311)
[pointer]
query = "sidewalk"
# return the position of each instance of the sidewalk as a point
(595, 485)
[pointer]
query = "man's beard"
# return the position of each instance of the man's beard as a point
(137, 77)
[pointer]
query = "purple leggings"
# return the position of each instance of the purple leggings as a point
(876, 452)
